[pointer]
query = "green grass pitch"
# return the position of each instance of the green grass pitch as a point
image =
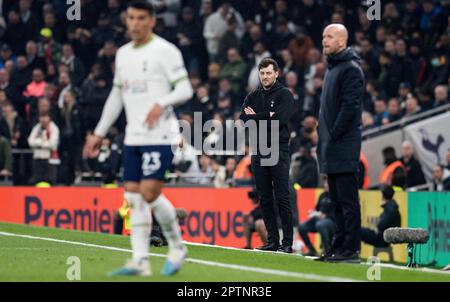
(40, 254)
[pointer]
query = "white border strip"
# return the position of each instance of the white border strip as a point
(198, 261)
(387, 265)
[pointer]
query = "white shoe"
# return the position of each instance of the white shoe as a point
(133, 268)
(175, 260)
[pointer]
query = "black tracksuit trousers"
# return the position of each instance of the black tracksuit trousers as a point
(270, 181)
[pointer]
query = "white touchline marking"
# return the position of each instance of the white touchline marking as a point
(198, 261)
(387, 265)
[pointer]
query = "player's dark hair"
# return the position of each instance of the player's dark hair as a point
(267, 62)
(143, 5)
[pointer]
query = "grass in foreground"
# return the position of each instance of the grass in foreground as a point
(27, 259)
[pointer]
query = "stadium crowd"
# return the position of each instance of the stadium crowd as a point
(56, 74)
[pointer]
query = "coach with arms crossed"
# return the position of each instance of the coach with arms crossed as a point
(340, 140)
(272, 102)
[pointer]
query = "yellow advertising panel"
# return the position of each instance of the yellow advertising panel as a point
(370, 212)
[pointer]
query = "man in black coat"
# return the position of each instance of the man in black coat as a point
(414, 172)
(340, 140)
(390, 218)
(272, 102)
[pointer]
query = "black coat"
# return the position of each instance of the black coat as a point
(277, 99)
(414, 173)
(340, 114)
(390, 217)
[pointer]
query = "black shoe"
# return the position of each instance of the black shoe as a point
(273, 247)
(285, 249)
(345, 257)
(156, 241)
(324, 257)
(311, 253)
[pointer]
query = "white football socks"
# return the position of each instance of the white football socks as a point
(165, 214)
(140, 225)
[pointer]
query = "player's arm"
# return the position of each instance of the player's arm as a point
(111, 111)
(182, 89)
(248, 113)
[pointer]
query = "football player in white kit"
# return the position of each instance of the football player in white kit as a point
(150, 77)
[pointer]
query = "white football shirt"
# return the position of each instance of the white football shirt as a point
(146, 75)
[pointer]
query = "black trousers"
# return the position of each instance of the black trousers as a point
(371, 237)
(325, 227)
(270, 181)
(343, 189)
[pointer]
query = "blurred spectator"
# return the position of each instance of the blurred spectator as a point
(5, 157)
(288, 64)
(12, 126)
(10, 90)
(64, 85)
(76, 67)
(380, 112)
(234, 70)
(367, 121)
(29, 20)
(253, 222)
(394, 172)
(21, 76)
(206, 171)
(254, 34)
(389, 218)
(412, 106)
(14, 32)
(259, 53)
(311, 18)
(213, 78)
(72, 138)
(386, 78)
(185, 161)
(225, 91)
(281, 37)
(167, 10)
(414, 173)
(94, 93)
(404, 91)
(243, 168)
(106, 58)
(190, 40)
(221, 178)
(102, 32)
(37, 86)
(216, 25)
(425, 101)
(299, 48)
(55, 26)
(393, 110)
(203, 103)
(304, 168)
(441, 96)
(44, 140)
(6, 55)
(228, 40)
(320, 220)
(48, 48)
(441, 179)
(439, 72)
